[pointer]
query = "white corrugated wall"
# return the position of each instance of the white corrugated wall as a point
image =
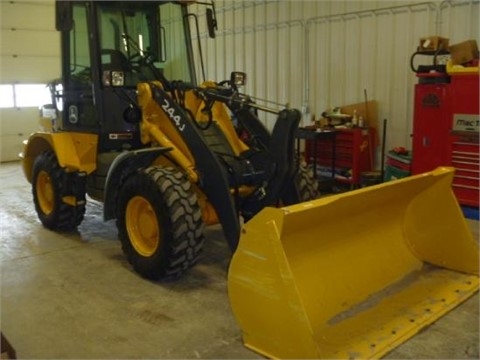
(29, 54)
(314, 55)
(310, 54)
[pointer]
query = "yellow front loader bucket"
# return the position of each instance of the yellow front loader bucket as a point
(353, 275)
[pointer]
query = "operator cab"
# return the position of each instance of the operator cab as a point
(108, 47)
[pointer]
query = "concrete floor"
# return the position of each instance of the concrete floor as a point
(66, 296)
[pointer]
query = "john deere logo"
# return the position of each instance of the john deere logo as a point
(431, 100)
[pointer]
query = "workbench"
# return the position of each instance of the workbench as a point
(316, 135)
(347, 151)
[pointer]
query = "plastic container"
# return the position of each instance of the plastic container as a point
(459, 69)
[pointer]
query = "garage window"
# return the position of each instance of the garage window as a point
(31, 95)
(24, 95)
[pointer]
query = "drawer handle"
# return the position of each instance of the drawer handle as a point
(466, 177)
(466, 187)
(469, 154)
(465, 143)
(465, 162)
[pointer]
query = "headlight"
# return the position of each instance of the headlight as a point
(113, 78)
(238, 78)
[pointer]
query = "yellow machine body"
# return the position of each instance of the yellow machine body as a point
(78, 151)
(353, 275)
(157, 129)
(75, 151)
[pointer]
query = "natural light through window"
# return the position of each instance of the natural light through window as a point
(24, 95)
(32, 95)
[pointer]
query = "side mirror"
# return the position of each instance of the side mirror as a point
(63, 15)
(211, 22)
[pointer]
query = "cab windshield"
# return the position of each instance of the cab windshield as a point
(142, 40)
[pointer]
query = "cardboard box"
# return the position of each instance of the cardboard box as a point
(432, 43)
(463, 52)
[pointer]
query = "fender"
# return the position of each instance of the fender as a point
(74, 151)
(125, 164)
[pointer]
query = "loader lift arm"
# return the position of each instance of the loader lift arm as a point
(279, 144)
(213, 180)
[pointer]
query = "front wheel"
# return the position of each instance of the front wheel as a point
(159, 223)
(59, 196)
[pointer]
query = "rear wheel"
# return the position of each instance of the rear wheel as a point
(303, 186)
(307, 185)
(56, 206)
(159, 223)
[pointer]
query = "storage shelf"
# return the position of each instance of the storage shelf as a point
(353, 152)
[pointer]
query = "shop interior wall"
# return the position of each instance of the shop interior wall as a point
(29, 54)
(314, 55)
(311, 55)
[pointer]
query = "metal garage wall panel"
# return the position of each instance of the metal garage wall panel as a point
(29, 53)
(26, 69)
(29, 48)
(400, 51)
(210, 52)
(296, 83)
(460, 20)
(220, 59)
(356, 46)
(30, 42)
(17, 123)
(260, 51)
(34, 15)
(10, 147)
(283, 64)
(353, 46)
(249, 48)
(15, 126)
(228, 60)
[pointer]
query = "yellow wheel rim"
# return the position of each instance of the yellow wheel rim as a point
(45, 192)
(142, 226)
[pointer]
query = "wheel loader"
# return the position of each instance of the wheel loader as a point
(345, 276)
(134, 131)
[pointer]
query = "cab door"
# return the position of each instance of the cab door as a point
(89, 103)
(76, 103)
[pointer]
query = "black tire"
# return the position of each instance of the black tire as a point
(306, 183)
(171, 236)
(50, 184)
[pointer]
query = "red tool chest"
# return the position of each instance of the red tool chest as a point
(464, 156)
(446, 132)
(353, 153)
(431, 126)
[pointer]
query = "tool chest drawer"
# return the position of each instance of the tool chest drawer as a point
(353, 154)
(465, 157)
